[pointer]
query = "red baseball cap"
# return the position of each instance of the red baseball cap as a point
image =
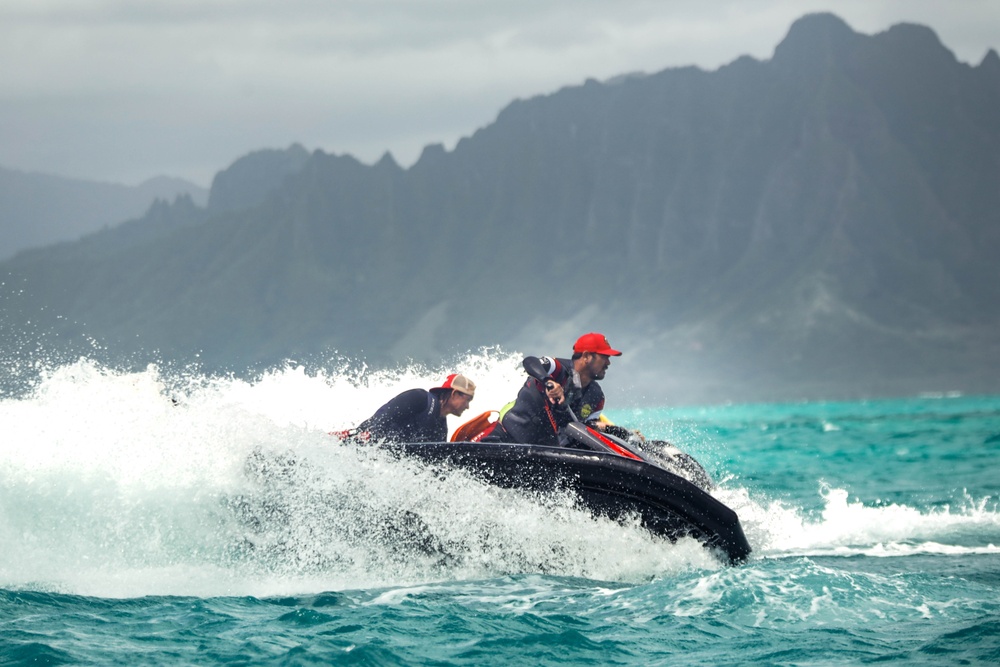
(595, 342)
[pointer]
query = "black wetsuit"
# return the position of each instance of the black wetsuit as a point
(413, 416)
(528, 421)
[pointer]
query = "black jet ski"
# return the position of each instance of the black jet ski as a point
(617, 477)
(605, 481)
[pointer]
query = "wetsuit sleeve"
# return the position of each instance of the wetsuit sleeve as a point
(394, 419)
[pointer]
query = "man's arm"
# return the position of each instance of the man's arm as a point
(395, 417)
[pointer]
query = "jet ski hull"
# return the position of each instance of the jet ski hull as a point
(608, 485)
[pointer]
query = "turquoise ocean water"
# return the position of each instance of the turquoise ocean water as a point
(133, 532)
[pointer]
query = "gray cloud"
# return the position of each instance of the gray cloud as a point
(120, 90)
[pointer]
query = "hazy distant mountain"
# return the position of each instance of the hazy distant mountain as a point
(823, 223)
(253, 178)
(39, 209)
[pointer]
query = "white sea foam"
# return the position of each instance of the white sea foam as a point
(126, 484)
(852, 528)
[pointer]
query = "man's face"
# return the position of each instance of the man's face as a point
(457, 403)
(598, 365)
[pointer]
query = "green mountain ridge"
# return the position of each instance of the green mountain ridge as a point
(822, 224)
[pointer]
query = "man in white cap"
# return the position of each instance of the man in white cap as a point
(418, 415)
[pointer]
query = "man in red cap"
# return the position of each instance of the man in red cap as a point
(540, 410)
(417, 415)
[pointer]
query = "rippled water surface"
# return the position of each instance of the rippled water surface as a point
(188, 520)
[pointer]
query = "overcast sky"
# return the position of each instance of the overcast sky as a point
(122, 90)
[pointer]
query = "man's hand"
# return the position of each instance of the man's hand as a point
(554, 392)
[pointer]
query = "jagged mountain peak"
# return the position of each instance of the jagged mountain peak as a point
(990, 64)
(813, 37)
(681, 201)
(253, 177)
(916, 39)
(388, 162)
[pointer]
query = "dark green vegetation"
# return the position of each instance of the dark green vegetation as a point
(822, 224)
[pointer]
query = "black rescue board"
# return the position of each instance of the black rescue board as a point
(607, 484)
